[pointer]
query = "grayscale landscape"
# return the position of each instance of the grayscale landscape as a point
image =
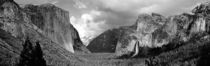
(104, 33)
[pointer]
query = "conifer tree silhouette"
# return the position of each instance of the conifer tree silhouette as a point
(31, 56)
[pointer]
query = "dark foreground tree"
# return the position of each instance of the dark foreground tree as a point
(31, 55)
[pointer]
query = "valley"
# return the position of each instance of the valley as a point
(42, 35)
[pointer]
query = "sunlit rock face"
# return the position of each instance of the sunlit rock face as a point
(202, 12)
(46, 24)
(54, 23)
(147, 32)
(155, 31)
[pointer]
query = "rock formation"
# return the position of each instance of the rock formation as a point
(54, 23)
(46, 24)
(155, 31)
(106, 42)
(42, 35)
(195, 50)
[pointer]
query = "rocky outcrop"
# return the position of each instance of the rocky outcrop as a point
(155, 31)
(194, 51)
(146, 33)
(152, 33)
(54, 23)
(45, 24)
(202, 12)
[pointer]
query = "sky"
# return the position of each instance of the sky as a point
(93, 17)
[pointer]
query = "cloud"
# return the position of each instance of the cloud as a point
(79, 4)
(165, 7)
(54, 2)
(115, 13)
(86, 25)
(92, 17)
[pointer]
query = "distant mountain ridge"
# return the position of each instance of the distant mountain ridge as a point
(153, 30)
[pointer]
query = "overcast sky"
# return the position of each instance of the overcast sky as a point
(92, 17)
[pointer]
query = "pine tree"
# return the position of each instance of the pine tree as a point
(31, 56)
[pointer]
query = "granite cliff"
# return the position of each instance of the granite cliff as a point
(44, 28)
(180, 40)
(41, 35)
(54, 23)
(154, 32)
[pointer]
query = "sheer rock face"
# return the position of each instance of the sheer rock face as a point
(203, 21)
(54, 23)
(46, 24)
(151, 33)
(154, 30)
(182, 27)
(147, 33)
